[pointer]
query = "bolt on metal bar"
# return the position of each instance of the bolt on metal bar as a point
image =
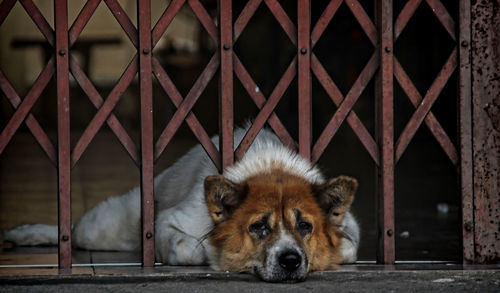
(385, 135)
(63, 132)
(147, 155)
(226, 122)
(304, 77)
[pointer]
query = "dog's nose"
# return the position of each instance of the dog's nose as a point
(290, 260)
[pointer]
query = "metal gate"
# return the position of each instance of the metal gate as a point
(384, 148)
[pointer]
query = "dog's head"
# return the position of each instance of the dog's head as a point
(277, 225)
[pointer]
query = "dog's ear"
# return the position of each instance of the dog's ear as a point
(222, 197)
(335, 197)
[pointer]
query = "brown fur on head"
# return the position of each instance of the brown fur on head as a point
(276, 224)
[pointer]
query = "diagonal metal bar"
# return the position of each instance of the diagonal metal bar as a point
(165, 20)
(204, 18)
(27, 103)
(346, 106)
(105, 110)
(404, 16)
(191, 119)
(112, 121)
(260, 100)
(431, 121)
(81, 20)
(426, 104)
(244, 17)
(186, 105)
(31, 121)
(324, 20)
(283, 19)
(266, 111)
(124, 21)
(352, 119)
(363, 19)
(39, 21)
(5, 8)
(444, 17)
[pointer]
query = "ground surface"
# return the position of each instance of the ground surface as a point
(359, 278)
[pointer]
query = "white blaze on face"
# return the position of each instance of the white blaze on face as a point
(285, 259)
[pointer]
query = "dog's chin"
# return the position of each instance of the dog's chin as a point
(279, 276)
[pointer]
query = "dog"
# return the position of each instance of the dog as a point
(272, 214)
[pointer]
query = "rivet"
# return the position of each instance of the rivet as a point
(303, 51)
(468, 227)
(390, 233)
(387, 49)
(145, 51)
(62, 52)
(149, 235)
(226, 47)
(465, 44)
(65, 238)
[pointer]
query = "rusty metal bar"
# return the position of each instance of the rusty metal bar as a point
(304, 77)
(363, 20)
(444, 17)
(104, 111)
(147, 155)
(324, 20)
(385, 135)
(267, 109)
(124, 21)
(465, 130)
(5, 8)
(426, 104)
(205, 19)
(346, 106)
(430, 120)
(81, 20)
(39, 20)
(24, 107)
(284, 20)
(404, 16)
(244, 17)
(226, 113)
(63, 132)
(259, 100)
(353, 119)
(165, 20)
(200, 133)
(187, 104)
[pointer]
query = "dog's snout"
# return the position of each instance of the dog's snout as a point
(290, 260)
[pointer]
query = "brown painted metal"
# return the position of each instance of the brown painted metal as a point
(187, 104)
(404, 16)
(444, 17)
(63, 132)
(191, 119)
(165, 20)
(324, 20)
(124, 21)
(284, 20)
(39, 20)
(105, 110)
(304, 77)
(465, 130)
(82, 19)
(226, 111)
(426, 104)
(346, 106)
(147, 145)
(267, 109)
(24, 107)
(430, 120)
(363, 20)
(385, 135)
(244, 17)
(485, 84)
(112, 121)
(5, 8)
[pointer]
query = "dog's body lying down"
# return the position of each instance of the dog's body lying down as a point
(272, 213)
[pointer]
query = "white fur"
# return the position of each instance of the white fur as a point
(182, 217)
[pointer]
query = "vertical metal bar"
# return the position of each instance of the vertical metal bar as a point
(385, 135)
(226, 83)
(147, 157)
(304, 77)
(63, 133)
(465, 131)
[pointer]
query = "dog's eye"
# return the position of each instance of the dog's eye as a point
(304, 227)
(261, 229)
